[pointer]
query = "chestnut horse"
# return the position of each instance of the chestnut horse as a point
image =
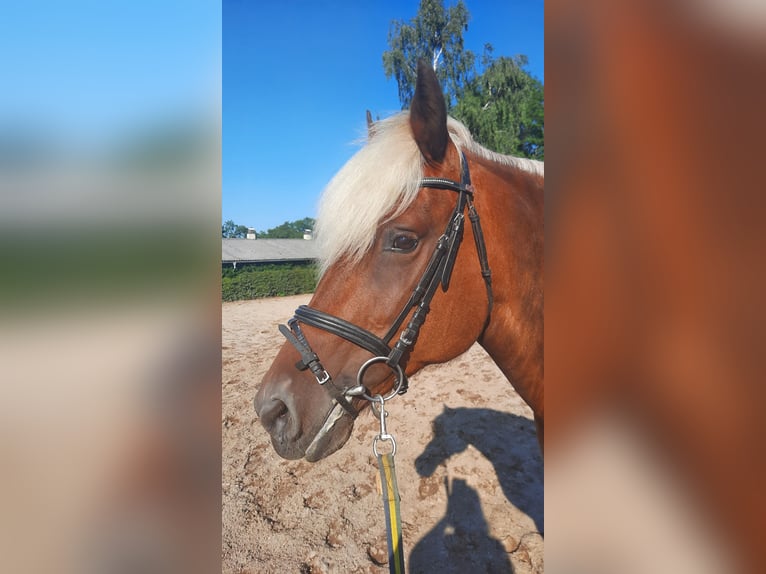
(383, 255)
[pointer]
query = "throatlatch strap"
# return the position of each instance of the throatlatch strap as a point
(393, 518)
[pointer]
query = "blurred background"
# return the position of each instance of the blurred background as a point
(110, 209)
(655, 322)
(110, 180)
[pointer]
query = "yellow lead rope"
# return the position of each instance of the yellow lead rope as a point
(393, 518)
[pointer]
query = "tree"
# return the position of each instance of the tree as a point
(289, 229)
(503, 108)
(230, 230)
(500, 104)
(435, 34)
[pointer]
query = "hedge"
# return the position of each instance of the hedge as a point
(267, 281)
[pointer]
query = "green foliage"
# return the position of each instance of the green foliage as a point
(100, 263)
(435, 34)
(267, 281)
(503, 108)
(500, 103)
(230, 230)
(289, 229)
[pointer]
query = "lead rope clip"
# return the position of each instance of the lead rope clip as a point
(379, 405)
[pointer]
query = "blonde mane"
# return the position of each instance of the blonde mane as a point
(381, 181)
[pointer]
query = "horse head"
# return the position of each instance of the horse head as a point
(380, 226)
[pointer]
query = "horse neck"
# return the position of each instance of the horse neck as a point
(510, 203)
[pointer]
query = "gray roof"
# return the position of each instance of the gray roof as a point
(267, 250)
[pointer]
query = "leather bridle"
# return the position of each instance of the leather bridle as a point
(438, 271)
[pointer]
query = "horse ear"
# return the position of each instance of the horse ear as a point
(369, 124)
(428, 115)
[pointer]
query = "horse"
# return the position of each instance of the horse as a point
(385, 262)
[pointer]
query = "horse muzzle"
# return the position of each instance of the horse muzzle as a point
(278, 417)
(301, 431)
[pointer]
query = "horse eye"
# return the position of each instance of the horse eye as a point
(404, 243)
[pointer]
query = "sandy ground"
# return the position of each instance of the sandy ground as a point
(468, 466)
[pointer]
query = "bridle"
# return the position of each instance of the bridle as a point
(437, 272)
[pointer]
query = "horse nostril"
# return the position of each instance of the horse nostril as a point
(273, 413)
(280, 409)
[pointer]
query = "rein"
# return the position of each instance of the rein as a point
(437, 272)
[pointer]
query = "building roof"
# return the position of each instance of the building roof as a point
(267, 250)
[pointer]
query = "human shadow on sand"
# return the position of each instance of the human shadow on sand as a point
(460, 542)
(508, 441)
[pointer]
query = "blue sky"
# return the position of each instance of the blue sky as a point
(87, 71)
(298, 77)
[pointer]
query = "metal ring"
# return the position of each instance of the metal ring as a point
(375, 445)
(397, 370)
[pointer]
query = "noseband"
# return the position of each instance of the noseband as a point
(438, 271)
